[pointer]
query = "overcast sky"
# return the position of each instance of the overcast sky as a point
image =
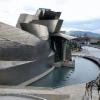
(77, 14)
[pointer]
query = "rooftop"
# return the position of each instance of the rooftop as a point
(68, 37)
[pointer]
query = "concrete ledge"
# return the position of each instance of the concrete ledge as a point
(72, 92)
(37, 77)
(95, 60)
(69, 64)
(11, 96)
(92, 58)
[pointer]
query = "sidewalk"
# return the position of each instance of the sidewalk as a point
(74, 92)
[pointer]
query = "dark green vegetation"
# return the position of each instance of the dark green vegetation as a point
(74, 46)
(98, 43)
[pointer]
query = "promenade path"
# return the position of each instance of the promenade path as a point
(92, 51)
(89, 53)
(72, 92)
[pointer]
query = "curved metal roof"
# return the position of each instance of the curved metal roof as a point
(63, 35)
(13, 34)
(38, 30)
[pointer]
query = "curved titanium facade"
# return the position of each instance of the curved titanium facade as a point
(13, 34)
(53, 25)
(16, 44)
(38, 30)
(15, 51)
(25, 18)
(23, 72)
(43, 14)
(34, 42)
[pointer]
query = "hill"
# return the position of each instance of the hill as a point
(84, 33)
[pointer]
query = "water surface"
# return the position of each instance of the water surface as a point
(85, 70)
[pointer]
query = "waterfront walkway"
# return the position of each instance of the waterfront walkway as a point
(72, 92)
(88, 55)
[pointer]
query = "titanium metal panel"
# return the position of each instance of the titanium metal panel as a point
(11, 33)
(16, 44)
(47, 14)
(19, 52)
(23, 72)
(40, 31)
(53, 25)
(25, 18)
(65, 36)
(58, 27)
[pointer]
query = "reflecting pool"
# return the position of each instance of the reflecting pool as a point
(85, 70)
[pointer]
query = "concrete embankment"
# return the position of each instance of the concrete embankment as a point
(73, 92)
(95, 46)
(94, 59)
(87, 55)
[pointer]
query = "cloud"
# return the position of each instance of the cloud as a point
(77, 14)
(91, 25)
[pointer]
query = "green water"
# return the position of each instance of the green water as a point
(85, 70)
